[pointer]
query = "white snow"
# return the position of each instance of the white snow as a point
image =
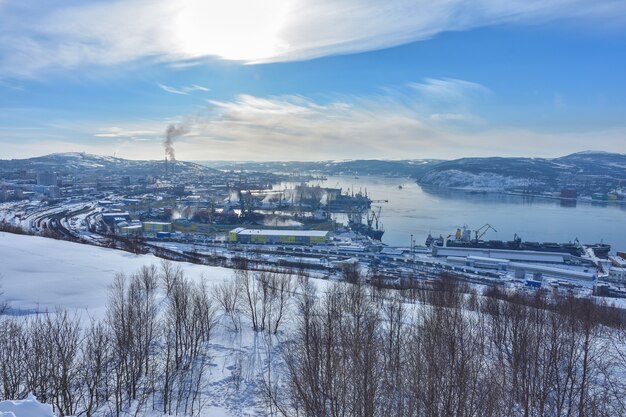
(469, 181)
(29, 407)
(41, 273)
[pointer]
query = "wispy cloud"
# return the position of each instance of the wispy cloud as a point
(116, 132)
(456, 117)
(185, 91)
(185, 31)
(450, 90)
(391, 124)
(397, 124)
(429, 119)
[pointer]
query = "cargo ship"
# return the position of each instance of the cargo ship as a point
(343, 203)
(372, 229)
(463, 239)
(366, 230)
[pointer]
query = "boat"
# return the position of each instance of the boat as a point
(364, 229)
(372, 229)
(463, 239)
(344, 203)
(601, 250)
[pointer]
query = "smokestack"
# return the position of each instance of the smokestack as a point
(172, 132)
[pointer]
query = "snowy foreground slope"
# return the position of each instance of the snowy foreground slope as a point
(29, 407)
(431, 349)
(45, 274)
(42, 274)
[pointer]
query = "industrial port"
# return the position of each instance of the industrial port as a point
(201, 215)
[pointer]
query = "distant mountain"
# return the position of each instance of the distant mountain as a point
(78, 163)
(409, 168)
(406, 168)
(587, 171)
(596, 163)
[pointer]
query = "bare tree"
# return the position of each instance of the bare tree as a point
(63, 339)
(226, 294)
(4, 305)
(132, 320)
(188, 324)
(428, 349)
(280, 292)
(169, 274)
(255, 295)
(13, 358)
(94, 369)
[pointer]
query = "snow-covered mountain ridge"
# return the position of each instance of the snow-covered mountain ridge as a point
(586, 171)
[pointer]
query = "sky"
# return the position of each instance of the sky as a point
(312, 80)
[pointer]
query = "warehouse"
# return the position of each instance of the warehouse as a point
(133, 228)
(272, 236)
(512, 255)
(152, 228)
(112, 218)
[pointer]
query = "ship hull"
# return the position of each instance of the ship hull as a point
(512, 245)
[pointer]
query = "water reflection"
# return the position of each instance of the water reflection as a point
(482, 197)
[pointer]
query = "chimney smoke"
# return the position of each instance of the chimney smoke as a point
(173, 131)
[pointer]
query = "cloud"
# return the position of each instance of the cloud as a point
(394, 124)
(183, 90)
(456, 117)
(397, 124)
(184, 32)
(401, 123)
(450, 90)
(116, 132)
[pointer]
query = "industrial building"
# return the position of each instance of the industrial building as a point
(520, 269)
(617, 275)
(512, 255)
(272, 236)
(129, 228)
(113, 218)
(156, 227)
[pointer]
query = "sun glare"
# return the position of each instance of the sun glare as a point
(234, 29)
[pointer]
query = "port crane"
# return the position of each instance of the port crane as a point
(482, 230)
(373, 217)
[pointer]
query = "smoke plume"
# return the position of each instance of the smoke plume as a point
(172, 132)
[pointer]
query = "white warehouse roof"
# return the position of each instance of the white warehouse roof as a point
(274, 232)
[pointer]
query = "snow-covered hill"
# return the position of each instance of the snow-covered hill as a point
(82, 163)
(533, 174)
